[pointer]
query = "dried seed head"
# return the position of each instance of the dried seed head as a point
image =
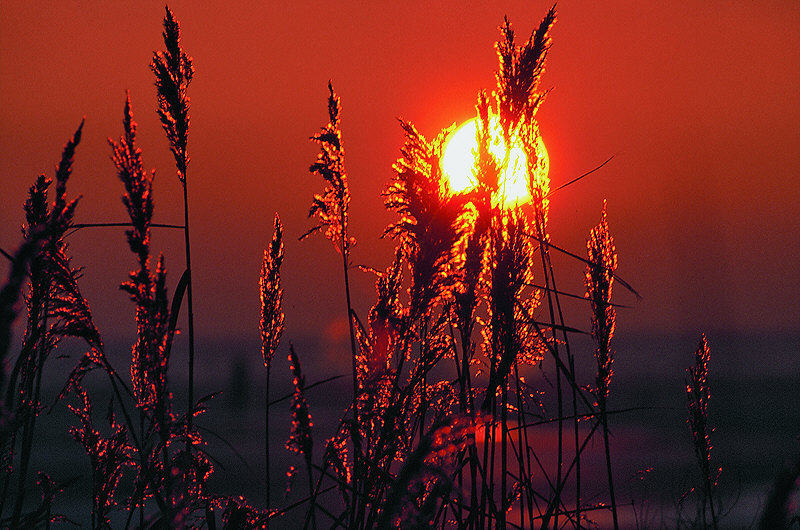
(332, 207)
(173, 70)
(300, 440)
(602, 258)
(272, 316)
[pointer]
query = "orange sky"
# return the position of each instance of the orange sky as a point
(698, 102)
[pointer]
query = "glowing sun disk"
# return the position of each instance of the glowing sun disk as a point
(458, 162)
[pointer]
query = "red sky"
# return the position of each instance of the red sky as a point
(698, 102)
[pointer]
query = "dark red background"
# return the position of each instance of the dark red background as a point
(698, 102)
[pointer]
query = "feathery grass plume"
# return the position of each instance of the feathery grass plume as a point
(237, 513)
(602, 262)
(109, 457)
(333, 206)
(698, 394)
(174, 71)
(518, 98)
(470, 260)
(430, 219)
(429, 216)
(189, 472)
(272, 316)
(138, 197)
(336, 459)
(146, 287)
(519, 74)
(602, 257)
(271, 324)
(300, 439)
(176, 478)
(52, 266)
(149, 365)
(486, 174)
(377, 346)
(428, 229)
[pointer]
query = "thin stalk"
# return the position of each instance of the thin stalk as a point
(554, 295)
(710, 504)
(30, 420)
(465, 400)
(145, 468)
(353, 433)
(501, 519)
(571, 359)
(423, 352)
(524, 457)
(266, 442)
(312, 496)
(543, 250)
(190, 308)
(604, 420)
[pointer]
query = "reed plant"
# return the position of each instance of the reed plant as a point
(698, 394)
(272, 319)
(460, 368)
(599, 283)
(173, 70)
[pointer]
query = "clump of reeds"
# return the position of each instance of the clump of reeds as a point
(55, 309)
(458, 320)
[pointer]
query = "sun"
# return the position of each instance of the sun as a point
(458, 162)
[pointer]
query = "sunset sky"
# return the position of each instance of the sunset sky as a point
(698, 103)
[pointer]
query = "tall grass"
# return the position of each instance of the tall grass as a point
(599, 283)
(272, 318)
(698, 394)
(450, 366)
(173, 70)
